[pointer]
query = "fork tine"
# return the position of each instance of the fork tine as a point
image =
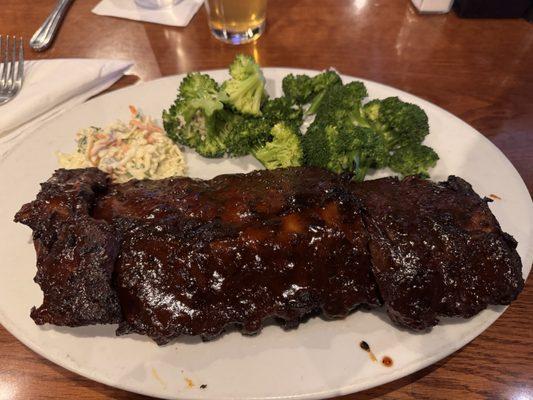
(4, 63)
(12, 67)
(20, 72)
(1, 59)
(11, 80)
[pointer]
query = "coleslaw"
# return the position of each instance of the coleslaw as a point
(139, 149)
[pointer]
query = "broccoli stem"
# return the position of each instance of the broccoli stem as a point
(315, 103)
(360, 168)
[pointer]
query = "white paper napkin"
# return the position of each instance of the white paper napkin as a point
(50, 88)
(178, 15)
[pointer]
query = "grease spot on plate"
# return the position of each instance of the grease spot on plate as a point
(189, 382)
(158, 378)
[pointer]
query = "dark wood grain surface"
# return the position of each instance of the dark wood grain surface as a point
(480, 70)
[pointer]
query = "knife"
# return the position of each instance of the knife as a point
(43, 38)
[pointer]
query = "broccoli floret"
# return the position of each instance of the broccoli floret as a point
(414, 160)
(193, 118)
(400, 124)
(250, 132)
(371, 152)
(197, 92)
(244, 134)
(186, 125)
(402, 127)
(281, 109)
(355, 90)
(321, 82)
(353, 149)
(340, 102)
(298, 88)
(174, 122)
(380, 152)
(302, 89)
(200, 86)
(246, 89)
(200, 92)
(344, 147)
(285, 149)
(370, 111)
(211, 147)
(316, 146)
(324, 80)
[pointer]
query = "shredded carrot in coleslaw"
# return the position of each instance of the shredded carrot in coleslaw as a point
(137, 150)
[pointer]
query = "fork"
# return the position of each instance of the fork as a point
(12, 68)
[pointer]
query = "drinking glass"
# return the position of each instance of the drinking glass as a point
(236, 21)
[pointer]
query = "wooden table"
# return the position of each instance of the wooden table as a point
(480, 70)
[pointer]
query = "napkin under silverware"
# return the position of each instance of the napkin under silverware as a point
(50, 88)
(178, 15)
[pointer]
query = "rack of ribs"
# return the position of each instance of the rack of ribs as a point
(189, 257)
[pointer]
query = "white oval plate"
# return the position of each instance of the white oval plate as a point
(319, 359)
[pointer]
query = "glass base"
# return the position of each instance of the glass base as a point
(234, 37)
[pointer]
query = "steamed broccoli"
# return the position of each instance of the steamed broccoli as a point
(285, 149)
(356, 149)
(193, 119)
(325, 80)
(245, 134)
(203, 91)
(332, 140)
(400, 124)
(321, 83)
(281, 109)
(298, 88)
(378, 134)
(413, 160)
(250, 132)
(344, 147)
(246, 89)
(302, 89)
(346, 135)
(344, 143)
(341, 102)
(315, 145)
(198, 92)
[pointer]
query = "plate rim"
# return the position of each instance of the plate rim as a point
(392, 375)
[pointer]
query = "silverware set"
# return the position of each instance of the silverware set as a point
(12, 52)
(11, 67)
